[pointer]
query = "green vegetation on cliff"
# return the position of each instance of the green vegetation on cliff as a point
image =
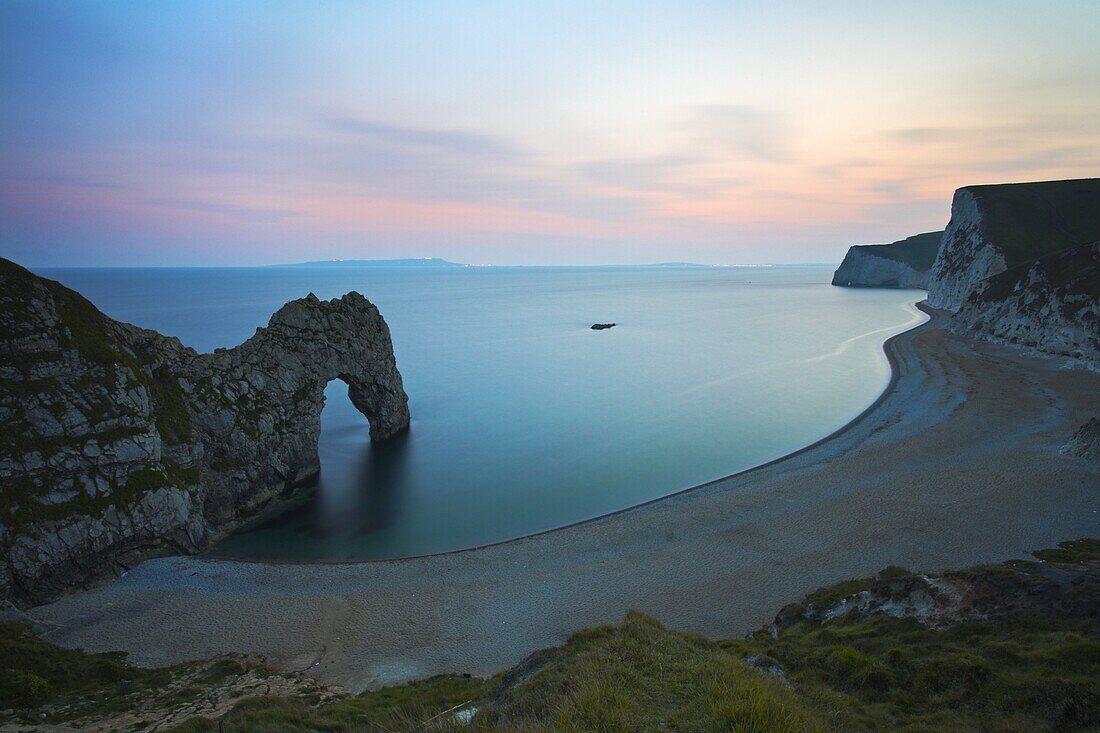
(1069, 272)
(887, 674)
(917, 251)
(34, 673)
(89, 333)
(1026, 658)
(1029, 220)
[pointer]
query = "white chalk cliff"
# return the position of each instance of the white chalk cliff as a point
(1017, 264)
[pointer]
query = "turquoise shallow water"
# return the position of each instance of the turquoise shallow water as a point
(524, 419)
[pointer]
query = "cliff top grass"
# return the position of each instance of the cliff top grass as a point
(918, 251)
(34, 673)
(1080, 554)
(887, 674)
(1029, 220)
(635, 676)
(876, 673)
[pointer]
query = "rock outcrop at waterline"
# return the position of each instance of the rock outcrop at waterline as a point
(902, 264)
(118, 443)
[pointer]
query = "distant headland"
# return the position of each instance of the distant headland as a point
(438, 262)
(410, 262)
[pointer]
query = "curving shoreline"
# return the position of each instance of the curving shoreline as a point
(892, 362)
(955, 463)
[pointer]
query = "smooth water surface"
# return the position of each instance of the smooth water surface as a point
(524, 419)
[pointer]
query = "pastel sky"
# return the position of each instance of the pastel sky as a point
(233, 133)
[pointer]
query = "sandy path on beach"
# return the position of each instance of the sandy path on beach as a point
(957, 463)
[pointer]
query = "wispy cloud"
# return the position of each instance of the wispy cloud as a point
(744, 131)
(413, 138)
(376, 123)
(244, 213)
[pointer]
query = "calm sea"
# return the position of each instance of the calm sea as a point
(524, 419)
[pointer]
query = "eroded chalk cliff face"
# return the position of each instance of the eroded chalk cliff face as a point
(118, 443)
(863, 269)
(1051, 304)
(1017, 263)
(965, 257)
(902, 264)
(996, 227)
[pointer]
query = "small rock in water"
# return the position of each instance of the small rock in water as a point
(601, 326)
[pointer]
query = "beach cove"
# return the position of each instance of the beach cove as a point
(957, 462)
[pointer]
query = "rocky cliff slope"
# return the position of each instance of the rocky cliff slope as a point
(1018, 263)
(902, 264)
(1064, 583)
(118, 443)
(994, 228)
(1051, 304)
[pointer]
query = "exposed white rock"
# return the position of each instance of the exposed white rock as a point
(861, 268)
(1049, 305)
(901, 264)
(965, 256)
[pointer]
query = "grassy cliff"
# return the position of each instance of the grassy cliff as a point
(917, 251)
(902, 264)
(1030, 220)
